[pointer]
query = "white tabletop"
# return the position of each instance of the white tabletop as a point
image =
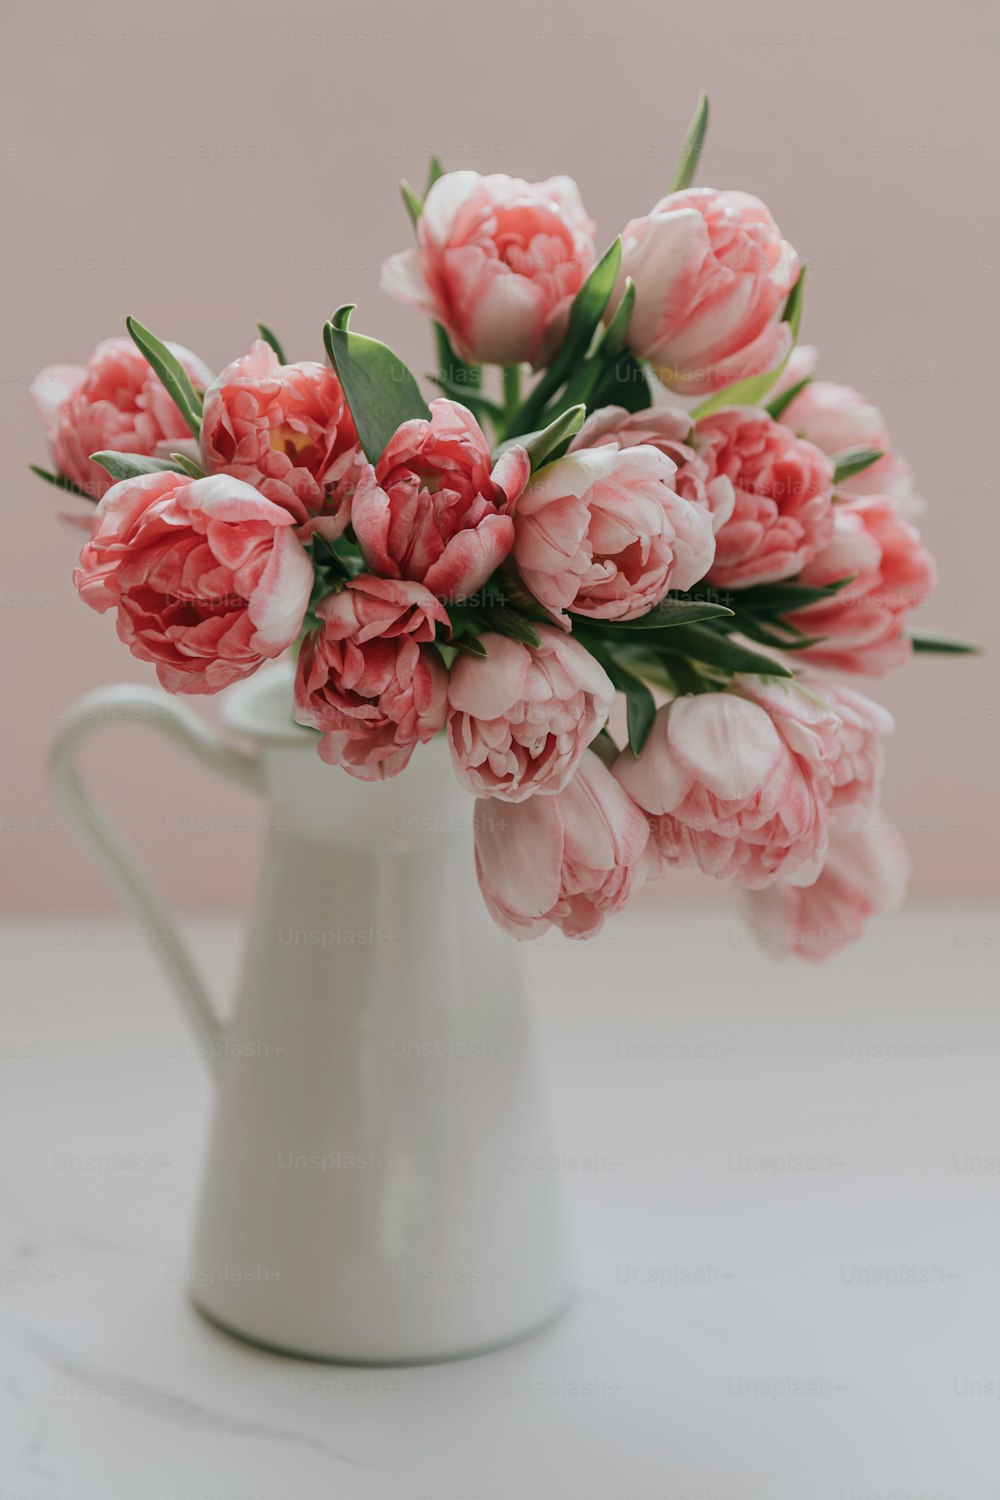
(785, 1191)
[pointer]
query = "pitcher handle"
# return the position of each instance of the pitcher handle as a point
(127, 704)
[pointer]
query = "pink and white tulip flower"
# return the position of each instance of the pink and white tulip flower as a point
(498, 262)
(114, 402)
(520, 718)
(435, 508)
(783, 512)
(368, 678)
(568, 861)
(864, 875)
(739, 788)
(207, 576)
(287, 430)
(711, 273)
(837, 418)
(863, 625)
(671, 431)
(604, 533)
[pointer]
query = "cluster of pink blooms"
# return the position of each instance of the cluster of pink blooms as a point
(771, 780)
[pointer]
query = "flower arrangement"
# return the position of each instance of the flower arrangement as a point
(671, 512)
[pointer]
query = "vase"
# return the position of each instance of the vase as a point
(378, 1185)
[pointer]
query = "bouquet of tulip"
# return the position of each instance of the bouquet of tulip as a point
(673, 510)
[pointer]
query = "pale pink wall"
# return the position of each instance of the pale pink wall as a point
(870, 129)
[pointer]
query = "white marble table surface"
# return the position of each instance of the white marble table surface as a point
(788, 1239)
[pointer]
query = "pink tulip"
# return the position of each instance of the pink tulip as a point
(369, 679)
(520, 719)
(837, 418)
(287, 430)
(207, 576)
(569, 860)
(783, 514)
(670, 430)
(498, 262)
(434, 508)
(736, 787)
(850, 766)
(113, 403)
(863, 624)
(604, 533)
(865, 875)
(711, 273)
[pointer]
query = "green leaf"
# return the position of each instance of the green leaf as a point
(504, 621)
(793, 309)
(687, 164)
(414, 203)
(781, 403)
(705, 645)
(582, 385)
(854, 461)
(671, 612)
(62, 483)
(471, 645)
(271, 338)
(949, 645)
(613, 341)
(625, 383)
(604, 746)
(187, 466)
(541, 446)
(132, 465)
(380, 391)
(435, 169)
(451, 367)
(170, 373)
(640, 705)
(584, 316)
(750, 626)
(783, 598)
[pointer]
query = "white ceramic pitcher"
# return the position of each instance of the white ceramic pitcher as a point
(377, 1186)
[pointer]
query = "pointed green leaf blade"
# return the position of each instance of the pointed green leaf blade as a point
(271, 339)
(543, 445)
(687, 164)
(671, 613)
(61, 483)
(948, 645)
(131, 465)
(380, 391)
(584, 316)
(780, 404)
(170, 373)
(854, 461)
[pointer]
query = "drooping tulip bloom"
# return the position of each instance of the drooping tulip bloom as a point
(864, 875)
(434, 508)
(670, 430)
(736, 787)
(568, 860)
(114, 402)
(863, 625)
(287, 430)
(852, 764)
(368, 677)
(837, 418)
(207, 576)
(712, 274)
(603, 532)
(520, 718)
(498, 262)
(783, 513)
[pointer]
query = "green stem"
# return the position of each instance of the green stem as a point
(511, 395)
